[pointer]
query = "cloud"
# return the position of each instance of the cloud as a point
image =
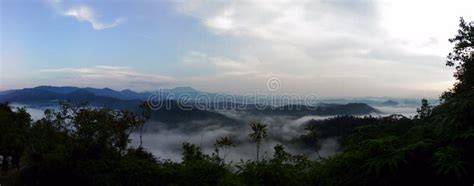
(343, 48)
(112, 76)
(222, 65)
(283, 20)
(85, 13)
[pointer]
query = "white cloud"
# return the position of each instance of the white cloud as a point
(222, 65)
(283, 20)
(84, 13)
(342, 48)
(423, 25)
(112, 76)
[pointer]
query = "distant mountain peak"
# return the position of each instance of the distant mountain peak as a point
(182, 89)
(56, 89)
(127, 91)
(390, 103)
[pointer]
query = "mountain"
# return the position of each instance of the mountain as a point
(129, 100)
(27, 95)
(191, 116)
(174, 115)
(384, 101)
(321, 109)
(59, 90)
(390, 103)
(193, 95)
(46, 97)
(30, 96)
(124, 94)
(181, 90)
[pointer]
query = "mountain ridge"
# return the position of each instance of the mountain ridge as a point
(46, 92)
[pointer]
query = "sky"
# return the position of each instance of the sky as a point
(330, 48)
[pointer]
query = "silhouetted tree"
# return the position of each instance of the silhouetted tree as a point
(14, 130)
(312, 138)
(425, 110)
(259, 132)
(226, 143)
(145, 115)
(462, 58)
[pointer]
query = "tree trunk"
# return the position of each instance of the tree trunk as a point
(258, 151)
(317, 153)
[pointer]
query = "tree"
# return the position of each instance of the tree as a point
(14, 129)
(103, 128)
(425, 110)
(88, 145)
(312, 138)
(259, 132)
(192, 152)
(280, 154)
(145, 115)
(462, 58)
(226, 143)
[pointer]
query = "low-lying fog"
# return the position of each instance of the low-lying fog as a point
(166, 143)
(407, 111)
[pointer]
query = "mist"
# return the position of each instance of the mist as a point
(36, 113)
(407, 111)
(165, 143)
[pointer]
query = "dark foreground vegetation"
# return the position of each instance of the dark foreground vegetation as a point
(84, 146)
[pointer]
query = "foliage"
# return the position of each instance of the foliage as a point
(259, 132)
(225, 143)
(425, 110)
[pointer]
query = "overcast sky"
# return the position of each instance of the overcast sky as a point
(329, 48)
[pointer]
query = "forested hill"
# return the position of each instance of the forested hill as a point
(170, 111)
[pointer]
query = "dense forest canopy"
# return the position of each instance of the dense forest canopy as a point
(89, 146)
